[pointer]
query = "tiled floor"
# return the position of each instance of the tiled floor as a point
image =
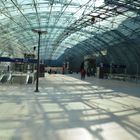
(67, 108)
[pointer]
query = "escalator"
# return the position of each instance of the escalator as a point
(5, 78)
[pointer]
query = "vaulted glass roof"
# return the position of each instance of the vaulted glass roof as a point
(67, 22)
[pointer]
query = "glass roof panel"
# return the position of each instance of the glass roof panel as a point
(67, 22)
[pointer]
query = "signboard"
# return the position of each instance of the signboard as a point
(29, 55)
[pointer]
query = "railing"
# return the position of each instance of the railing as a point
(124, 77)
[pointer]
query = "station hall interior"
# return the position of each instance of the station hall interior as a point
(69, 69)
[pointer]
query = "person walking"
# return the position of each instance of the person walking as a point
(83, 73)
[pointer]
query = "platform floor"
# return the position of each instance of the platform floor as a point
(67, 108)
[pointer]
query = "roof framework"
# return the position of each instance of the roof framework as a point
(83, 26)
